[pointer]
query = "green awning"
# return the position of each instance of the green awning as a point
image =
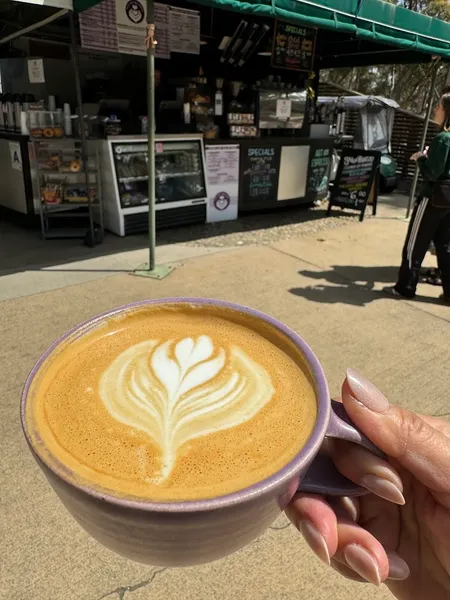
(370, 20)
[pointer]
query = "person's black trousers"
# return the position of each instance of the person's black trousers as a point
(427, 224)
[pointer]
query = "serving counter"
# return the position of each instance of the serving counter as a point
(241, 175)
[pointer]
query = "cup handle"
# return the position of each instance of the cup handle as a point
(322, 476)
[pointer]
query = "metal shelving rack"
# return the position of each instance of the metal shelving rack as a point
(59, 166)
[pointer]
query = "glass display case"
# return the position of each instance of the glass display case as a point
(180, 180)
(179, 172)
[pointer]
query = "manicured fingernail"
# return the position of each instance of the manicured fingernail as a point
(398, 568)
(383, 488)
(350, 507)
(365, 392)
(360, 560)
(315, 540)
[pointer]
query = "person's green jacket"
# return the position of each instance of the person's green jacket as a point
(435, 165)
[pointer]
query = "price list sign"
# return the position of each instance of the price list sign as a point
(356, 180)
(260, 168)
(293, 47)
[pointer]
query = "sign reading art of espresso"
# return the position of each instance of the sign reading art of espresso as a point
(356, 180)
(319, 170)
(260, 168)
(293, 47)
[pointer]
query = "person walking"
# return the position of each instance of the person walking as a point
(430, 221)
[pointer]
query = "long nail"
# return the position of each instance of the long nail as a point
(315, 541)
(366, 393)
(360, 560)
(383, 488)
(398, 568)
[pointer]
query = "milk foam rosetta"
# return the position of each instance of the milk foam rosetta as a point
(176, 391)
(173, 402)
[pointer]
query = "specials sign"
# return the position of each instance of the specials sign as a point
(356, 180)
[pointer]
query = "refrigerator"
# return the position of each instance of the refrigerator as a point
(180, 182)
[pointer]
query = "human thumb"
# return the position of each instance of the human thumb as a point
(399, 433)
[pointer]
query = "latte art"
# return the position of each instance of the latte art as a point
(177, 391)
(173, 402)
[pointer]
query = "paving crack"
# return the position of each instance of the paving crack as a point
(122, 590)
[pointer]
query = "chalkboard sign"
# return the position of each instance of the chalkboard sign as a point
(319, 170)
(355, 180)
(293, 47)
(260, 167)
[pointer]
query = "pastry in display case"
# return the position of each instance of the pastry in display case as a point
(179, 172)
(66, 199)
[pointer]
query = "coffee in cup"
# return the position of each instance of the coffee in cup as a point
(172, 402)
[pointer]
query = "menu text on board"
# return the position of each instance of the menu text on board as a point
(260, 166)
(293, 47)
(356, 180)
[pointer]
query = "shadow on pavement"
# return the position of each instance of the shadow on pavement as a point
(22, 249)
(353, 285)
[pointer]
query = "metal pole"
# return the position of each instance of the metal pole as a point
(150, 269)
(430, 102)
(84, 151)
(17, 34)
(151, 135)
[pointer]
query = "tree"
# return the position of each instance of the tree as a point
(407, 84)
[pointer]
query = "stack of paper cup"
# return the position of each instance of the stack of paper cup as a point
(67, 120)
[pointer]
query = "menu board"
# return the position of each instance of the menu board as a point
(260, 168)
(222, 168)
(121, 26)
(319, 170)
(293, 47)
(356, 177)
(184, 30)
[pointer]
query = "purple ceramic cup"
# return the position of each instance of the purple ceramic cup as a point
(195, 532)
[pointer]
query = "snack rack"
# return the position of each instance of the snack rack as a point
(69, 195)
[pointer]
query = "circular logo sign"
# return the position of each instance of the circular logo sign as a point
(221, 201)
(135, 11)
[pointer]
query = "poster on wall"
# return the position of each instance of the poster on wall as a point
(36, 70)
(121, 26)
(222, 168)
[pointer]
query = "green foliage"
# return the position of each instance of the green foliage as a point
(407, 84)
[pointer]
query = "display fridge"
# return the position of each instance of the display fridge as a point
(180, 182)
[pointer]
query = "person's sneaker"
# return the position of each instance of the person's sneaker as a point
(392, 291)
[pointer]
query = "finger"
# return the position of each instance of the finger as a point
(367, 470)
(316, 521)
(339, 537)
(350, 506)
(346, 571)
(361, 551)
(403, 435)
(398, 569)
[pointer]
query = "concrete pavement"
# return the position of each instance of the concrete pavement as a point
(325, 286)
